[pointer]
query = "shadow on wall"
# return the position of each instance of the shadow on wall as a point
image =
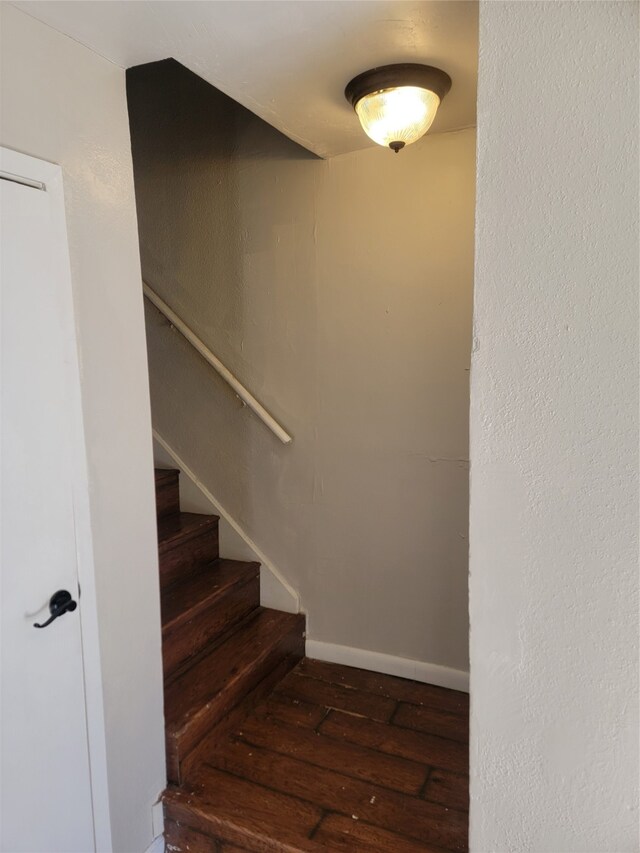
(339, 292)
(194, 151)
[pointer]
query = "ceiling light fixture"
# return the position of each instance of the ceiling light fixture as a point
(396, 104)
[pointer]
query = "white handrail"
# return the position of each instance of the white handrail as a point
(217, 365)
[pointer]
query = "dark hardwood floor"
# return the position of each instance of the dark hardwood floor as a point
(335, 759)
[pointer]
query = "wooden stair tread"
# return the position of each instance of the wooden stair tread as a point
(197, 592)
(249, 788)
(200, 698)
(234, 721)
(237, 811)
(187, 542)
(161, 474)
(214, 674)
(180, 527)
(178, 837)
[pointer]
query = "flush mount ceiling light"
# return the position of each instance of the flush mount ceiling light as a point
(396, 104)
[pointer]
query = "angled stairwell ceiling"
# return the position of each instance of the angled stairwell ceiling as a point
(286, 61)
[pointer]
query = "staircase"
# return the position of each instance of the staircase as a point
(222, 652)
(270, 752)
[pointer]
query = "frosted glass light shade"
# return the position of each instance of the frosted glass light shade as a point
(396, 104)
(399, 115)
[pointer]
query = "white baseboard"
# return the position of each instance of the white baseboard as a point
(157, 845)
(275, 591)
(429, 673)
(157, 825)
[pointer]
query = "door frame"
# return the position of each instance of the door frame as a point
(48, 177)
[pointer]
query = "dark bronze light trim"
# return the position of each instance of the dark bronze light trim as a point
(391, 76)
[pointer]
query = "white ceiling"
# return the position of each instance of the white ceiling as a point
(286, 60)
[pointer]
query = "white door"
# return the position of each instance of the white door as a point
(45, 793)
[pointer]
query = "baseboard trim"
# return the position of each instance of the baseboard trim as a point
(157, 845)
(287, 590)
(429, 673)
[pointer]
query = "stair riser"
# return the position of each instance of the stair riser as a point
(220, 835)
(184, 641)
(233, 720)
(168, 496)
(181, 743)
(187, 556)
(183, 838)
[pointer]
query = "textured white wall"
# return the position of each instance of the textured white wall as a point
(554, 442)
(63, 103)
(340, 293)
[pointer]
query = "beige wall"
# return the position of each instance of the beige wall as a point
(340, 293)
(63, 103)
(554, 431)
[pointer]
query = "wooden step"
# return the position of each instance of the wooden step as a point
(281, 779)
(235, 720)
(234, 811)
(167, 492)
(186, 542)
(264, 801)
(200, 698)
(178, 837)
(203, 606)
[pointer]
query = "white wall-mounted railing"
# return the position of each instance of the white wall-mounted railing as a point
(243, 393)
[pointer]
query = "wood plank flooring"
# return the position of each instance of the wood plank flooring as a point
(335, 759)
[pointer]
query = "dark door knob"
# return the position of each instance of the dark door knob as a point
(60, 602)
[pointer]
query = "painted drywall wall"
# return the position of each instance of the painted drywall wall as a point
(63, 103)
(554, 439)
(339, 292)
